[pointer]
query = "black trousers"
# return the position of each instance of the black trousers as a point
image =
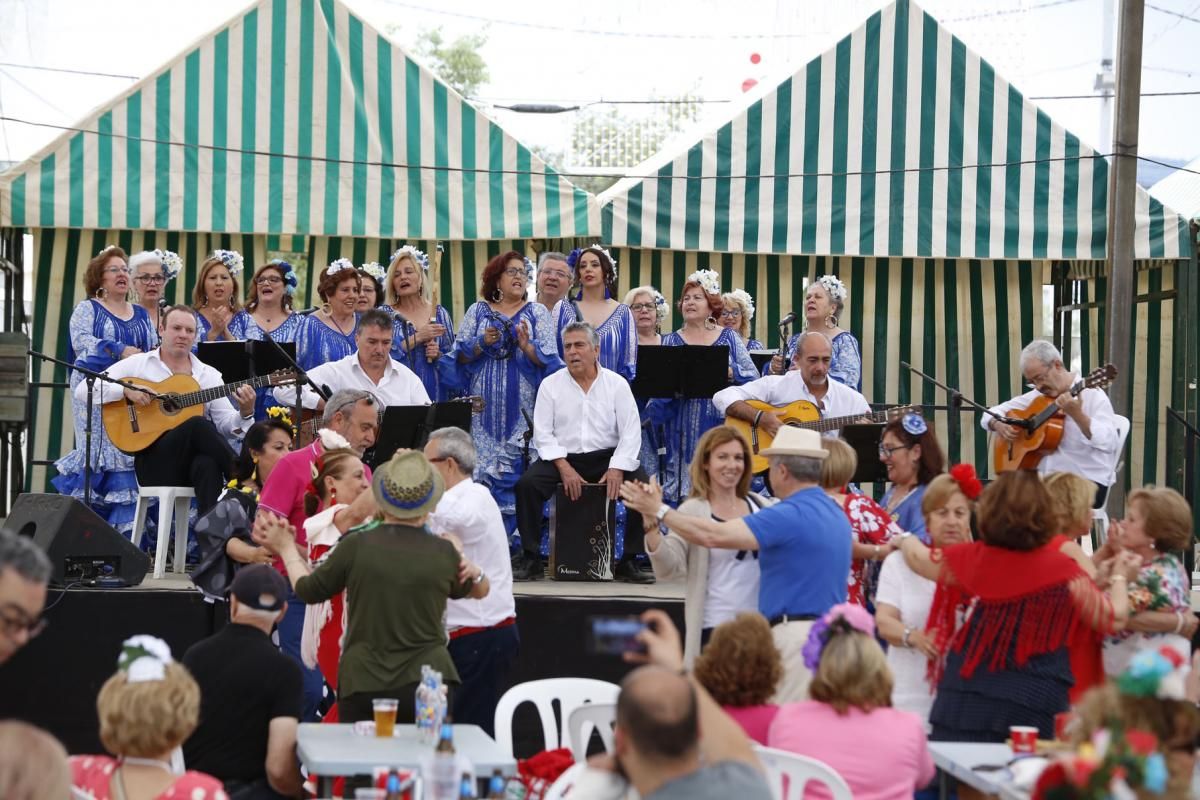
(194, 454)
(483, 661)
(539, 483)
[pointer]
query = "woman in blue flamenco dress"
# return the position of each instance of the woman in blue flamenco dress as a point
(105, 328)
(327, 334)
(824, 303)
(505, 346)
(422, 331)
(268, 312)
(649, 310)
(682, 422)
(216, 296)
(596, 282)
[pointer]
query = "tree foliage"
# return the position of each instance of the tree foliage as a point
(458, 63)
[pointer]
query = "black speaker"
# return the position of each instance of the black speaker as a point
(82, 547)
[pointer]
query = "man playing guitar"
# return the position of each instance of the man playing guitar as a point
(1089, 441)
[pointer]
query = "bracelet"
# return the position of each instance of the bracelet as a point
(1117, 578)
(1178, 621)
(907, 633)
(757, 417)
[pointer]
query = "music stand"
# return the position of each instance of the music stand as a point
(408, 427)
(686, 372)
(761, 358)
(241, 361)
(865, 439)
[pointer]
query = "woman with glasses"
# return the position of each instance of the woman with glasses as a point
(152, 270)
(910, 450)
(505, 346)
(104, 328)
(596, 277)
(649, 310)
(268, 312)
(737, 315)
(421, 330)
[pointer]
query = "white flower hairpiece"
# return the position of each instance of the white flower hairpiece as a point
(171, 262)
(144, 658)
(744, 297)
(528, 267)
(338, 265)
(232, 260)
(833, 285)
(375, 270)
(660, 306)
(332, 440)
(415, 254)
(709, 281)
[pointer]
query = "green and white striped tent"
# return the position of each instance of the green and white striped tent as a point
(295, 129)
(902, 162)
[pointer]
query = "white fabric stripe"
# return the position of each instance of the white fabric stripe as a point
(970, 150)
(883, 131)
(766, 190)
(912, 139)
(1028, 180)
(854, 129)
(824, 148)
(737, 187)
(941, 144)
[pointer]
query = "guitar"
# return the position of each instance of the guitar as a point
(1044, 426)
(799, 414)
(133, 428)
(313, 421)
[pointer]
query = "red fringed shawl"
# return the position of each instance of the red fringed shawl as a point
(1041, 600)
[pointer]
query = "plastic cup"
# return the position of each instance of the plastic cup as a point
(1063, 722)
(385, 716)
(370, 794)
(1024, 739)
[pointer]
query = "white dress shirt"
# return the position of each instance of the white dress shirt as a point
(568, 421)
(779, 390)
(469, 511)
(399, 385)
(1092, 458)
(223, 413)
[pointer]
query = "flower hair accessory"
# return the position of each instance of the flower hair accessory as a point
(416, 255)
(968, 482)
(232, 260)
(744, 297)
(106, 248)
(144, 658)
(1111, 766)
(280, 413)
(290, 280)
(1157, 673)
(171, 262)
(660, 306)
(332, 440)
(914, 424)
(339, 264)
(574, 255)
(528, 267)
(842, 618)
(375, 270)
(835, 287)
(708, 280)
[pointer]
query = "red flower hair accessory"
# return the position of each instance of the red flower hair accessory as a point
(968, 482)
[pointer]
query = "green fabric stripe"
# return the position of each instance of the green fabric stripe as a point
(1152, 370)
(950, 332)
(858, 273)
(770, 319)
(656, 281)
(1099, 207)
(633, 232)
(692, 186)
(358, 192)
(1157, 226)
(162, 151)
(303, 119)
(749, 239)
(800, 273)
(870, 121)
(47, 191)
(721, 195)
(1041, 187)
(1026, 288)
(496, 178)
(553, 185)
(879, 353)
(75, 179)
(470, 274)
(1003, 354)
(662, 223)
(772, 265)
(133, 161)
(191, 137)
(679, 267)
(606, 226)
(983, 176)
(359, 249)
(899, 130)
(104, 153)
(632, 261)
(841, 144)
(1012, 175)
(1070, 221)
(387, 175)
(981, 356)
(470, 179)
(904, 334)
(929, 78)
(220, 138)
(18, 206)
(524, 193)
(954, 178)
(581, 213)
(333, 121)
(783, 161)
(249, 113)
(279, 56)
(932, 333)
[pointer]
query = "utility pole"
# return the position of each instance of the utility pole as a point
(1105, 80)
(1122, 194)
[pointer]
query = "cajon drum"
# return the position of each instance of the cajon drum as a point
(582, 535)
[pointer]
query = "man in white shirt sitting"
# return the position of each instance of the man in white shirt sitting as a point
(195, 453)
(483, 632)
(586, 428)
(371, 369)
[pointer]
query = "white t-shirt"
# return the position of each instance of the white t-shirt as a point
(732, 584)
(904, 589)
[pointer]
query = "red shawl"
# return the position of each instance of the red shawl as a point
(1027, 598)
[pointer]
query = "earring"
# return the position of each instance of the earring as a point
(101, 293)
(327, 309)
(831, 321)
(496, 296)
(333, 496)
(710, 323)
(254, 472)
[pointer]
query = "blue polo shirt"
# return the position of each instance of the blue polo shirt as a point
(804, 546)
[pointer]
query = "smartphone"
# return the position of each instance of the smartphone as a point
(613, 636)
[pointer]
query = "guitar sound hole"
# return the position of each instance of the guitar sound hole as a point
(170, 405)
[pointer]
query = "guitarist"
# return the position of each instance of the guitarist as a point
(196, 452)
(1089, 440)
(807, 380)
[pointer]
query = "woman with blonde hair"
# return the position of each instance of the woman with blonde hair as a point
(849, 723)
(216, 296)
(421, 330)
(741, 668)
(721, 583)
(147, 710)
(737, 313)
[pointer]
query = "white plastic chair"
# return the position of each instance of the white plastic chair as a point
(788, 773)
(1100, 515)
(598, 717)
(562, 787)
(571, 694)
(177, 499)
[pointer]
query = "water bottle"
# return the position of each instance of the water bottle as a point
(466, 789)
(496, 786)
(444, 777)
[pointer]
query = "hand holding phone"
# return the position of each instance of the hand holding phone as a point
(615, 636)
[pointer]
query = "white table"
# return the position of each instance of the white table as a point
(959, 760)
(335, 750)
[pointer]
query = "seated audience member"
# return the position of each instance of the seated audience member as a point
(251, 695)
(24, 573)
(33, 765)
(849, 723)
(740, 668)
(483, 632)
(147, 710)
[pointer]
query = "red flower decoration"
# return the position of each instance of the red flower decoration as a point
(968, 482)
(1170, 654)
(1141, 742)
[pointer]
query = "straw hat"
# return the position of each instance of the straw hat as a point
(407, 486)
(793, 441)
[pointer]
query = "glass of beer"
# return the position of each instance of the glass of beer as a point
(385, 716)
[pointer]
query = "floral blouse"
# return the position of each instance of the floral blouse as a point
(1161, 585)
(871, 524)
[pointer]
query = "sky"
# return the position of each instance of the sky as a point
(573, 52)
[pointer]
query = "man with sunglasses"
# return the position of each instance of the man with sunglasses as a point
(24, 572)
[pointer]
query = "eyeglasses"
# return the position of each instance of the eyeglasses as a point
(513, 272)
(731, 313)
(12, 625)
(269, 280)
(439, 459)
(116, 270)
(556, 273)
(151, 279)
(642, 307)
(886, 452)
(1034, 381)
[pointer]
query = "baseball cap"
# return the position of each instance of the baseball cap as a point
(260, 586)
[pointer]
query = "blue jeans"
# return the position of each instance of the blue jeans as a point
(290, 629)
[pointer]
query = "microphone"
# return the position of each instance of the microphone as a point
(788, 320)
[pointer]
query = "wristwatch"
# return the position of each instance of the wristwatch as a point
(662, 512)
(478, 579)
(904, 641)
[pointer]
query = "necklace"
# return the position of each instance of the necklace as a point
(898, 498)
(147, 762)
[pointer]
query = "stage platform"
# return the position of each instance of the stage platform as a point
(54, 680)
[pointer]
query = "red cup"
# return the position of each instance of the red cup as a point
(1024, 739)
(1063, 722)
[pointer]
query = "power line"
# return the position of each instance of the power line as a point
(1007, 11)
(1188, 93)
(40, 68)
(1172, 12)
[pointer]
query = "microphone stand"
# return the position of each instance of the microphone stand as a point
(955, 401)
(301, 378)
(90, 377)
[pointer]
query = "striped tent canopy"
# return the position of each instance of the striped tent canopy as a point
(296, 117)
(898, 141)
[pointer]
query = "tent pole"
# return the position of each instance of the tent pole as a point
(1122, 193)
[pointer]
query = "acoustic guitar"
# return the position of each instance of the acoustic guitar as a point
(133, 428)
(1043, 426)
(312, 421)
(799, 414)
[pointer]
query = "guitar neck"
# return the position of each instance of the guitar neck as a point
(217, 392)
(837, 423)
